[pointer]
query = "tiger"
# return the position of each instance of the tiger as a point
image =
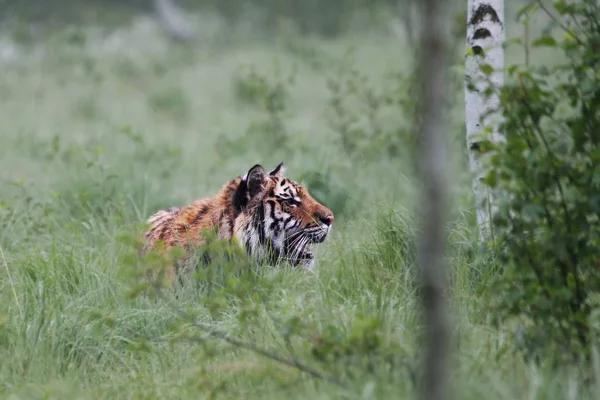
(271, 217)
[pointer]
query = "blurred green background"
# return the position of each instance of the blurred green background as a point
(105, 119)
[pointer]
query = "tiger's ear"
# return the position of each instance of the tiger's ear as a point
(279, 171)
(255, 180)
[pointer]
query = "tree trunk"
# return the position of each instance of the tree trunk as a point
(406, 10)
(432, 166)
(173, 21)
(485, 36)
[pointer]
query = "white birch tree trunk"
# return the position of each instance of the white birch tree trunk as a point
(485, 37)
(433, 68)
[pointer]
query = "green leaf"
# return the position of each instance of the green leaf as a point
(512, 69)
(544, 41)
(533, 210)
(543, 71)
(487, 69)
(526, 10)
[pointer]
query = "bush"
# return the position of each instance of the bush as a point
(269, 93)
(547, 174)
(372, 121)
(327, 188)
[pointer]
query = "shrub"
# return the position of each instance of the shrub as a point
(269, 93)
(327, 188)
(255, 88)
(171, 101)
(547, 175)
(371, 121)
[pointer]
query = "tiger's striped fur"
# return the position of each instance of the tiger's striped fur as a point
(272, 217)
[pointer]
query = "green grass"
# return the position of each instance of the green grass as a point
(93, 143)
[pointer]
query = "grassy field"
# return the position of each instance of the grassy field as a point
(99, 135)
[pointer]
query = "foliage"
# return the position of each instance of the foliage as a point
(547, 177)
(324, 185)
(269, 93)
(172, 102)
(78, 318)
(368, 118)
(253, 87)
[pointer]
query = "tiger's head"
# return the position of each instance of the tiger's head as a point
(278, 219)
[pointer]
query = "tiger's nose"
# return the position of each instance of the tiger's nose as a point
(327, 219)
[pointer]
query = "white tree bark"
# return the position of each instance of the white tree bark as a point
(433, 68)
(485, 36)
